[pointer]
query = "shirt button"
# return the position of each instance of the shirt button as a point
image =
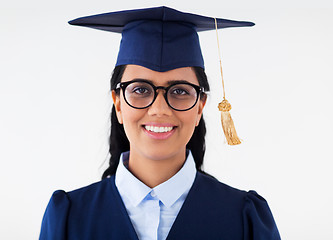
(153, 194)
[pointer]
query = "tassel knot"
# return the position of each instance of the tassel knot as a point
(228, 124)
(224, 106)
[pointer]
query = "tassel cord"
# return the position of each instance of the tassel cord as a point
(224, 106)
(219, 52)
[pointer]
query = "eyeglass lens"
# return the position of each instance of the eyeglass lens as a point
(142, 94)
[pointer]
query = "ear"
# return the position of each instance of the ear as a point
(116, 103)
(202, 103)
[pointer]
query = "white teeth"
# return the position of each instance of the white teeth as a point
(158, 129)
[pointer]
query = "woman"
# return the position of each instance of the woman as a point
(154, 187)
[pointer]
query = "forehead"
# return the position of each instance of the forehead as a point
(159, 78)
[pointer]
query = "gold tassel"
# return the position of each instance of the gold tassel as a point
(224, 106)
(228, 124)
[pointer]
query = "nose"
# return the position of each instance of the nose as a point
(160, 107)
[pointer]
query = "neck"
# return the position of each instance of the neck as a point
(154, 171)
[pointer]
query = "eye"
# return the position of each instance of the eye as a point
(141, 90)
(179, 91)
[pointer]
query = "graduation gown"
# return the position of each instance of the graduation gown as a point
(212, 210)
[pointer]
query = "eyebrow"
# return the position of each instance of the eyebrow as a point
(168, 82)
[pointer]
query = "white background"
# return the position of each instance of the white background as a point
(55, 105)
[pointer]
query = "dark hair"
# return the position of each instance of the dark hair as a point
(118, 140)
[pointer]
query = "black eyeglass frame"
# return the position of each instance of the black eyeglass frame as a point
(123, 85)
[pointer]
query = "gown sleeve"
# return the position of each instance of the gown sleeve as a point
(55, 217)
(258, 220)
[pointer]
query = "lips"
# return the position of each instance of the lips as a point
(159, 131)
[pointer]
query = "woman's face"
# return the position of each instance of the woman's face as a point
(143, 126)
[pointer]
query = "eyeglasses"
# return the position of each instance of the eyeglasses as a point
(180, 96)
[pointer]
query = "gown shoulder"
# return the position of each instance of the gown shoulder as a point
(258, 220)
(55, 219)
(256, 217)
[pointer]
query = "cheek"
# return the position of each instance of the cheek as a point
(131, 119)
(129, 114)
(188, 120)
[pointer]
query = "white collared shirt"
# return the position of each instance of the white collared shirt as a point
(153, 210)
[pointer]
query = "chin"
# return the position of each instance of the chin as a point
(159, 154)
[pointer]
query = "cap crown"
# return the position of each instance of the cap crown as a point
(160, 45)
(158, 38)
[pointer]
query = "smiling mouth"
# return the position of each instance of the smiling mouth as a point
(156, 129)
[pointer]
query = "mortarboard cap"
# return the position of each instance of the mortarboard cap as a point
(159, 38)
(163, 39)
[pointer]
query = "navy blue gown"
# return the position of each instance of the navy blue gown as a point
(212, 210)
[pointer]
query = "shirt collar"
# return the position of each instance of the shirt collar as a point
(167, 192)
(128, 185)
